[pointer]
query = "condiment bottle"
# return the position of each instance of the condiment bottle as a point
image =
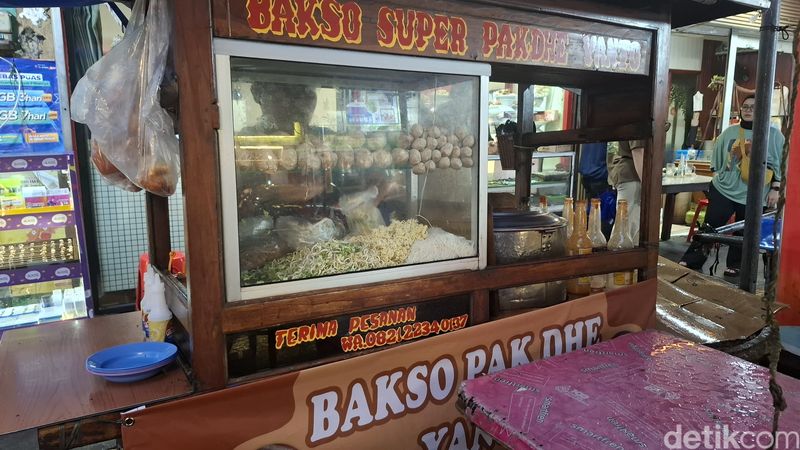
(543, 204)
(620, 240)
(569, 214)
(579, 244)
(598, 243)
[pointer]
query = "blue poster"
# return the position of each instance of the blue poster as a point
(29, 107)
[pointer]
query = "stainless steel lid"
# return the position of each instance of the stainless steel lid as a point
(513, 221)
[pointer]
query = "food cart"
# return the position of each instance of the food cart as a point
(617, 57)
(290, 110)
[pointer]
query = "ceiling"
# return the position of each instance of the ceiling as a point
(790, 15)
(690, 12)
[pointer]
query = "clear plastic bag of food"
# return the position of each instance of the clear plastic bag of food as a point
(298, 232)
(109, 171)
(118, 99)
(362, 211)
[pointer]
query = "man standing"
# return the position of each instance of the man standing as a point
(625, 175)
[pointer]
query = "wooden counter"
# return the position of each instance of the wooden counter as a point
(43, 379)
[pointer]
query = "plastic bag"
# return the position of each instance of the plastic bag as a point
(298, 232)
(362, 214)
(118, 99)
(109, 171)
(608, 206)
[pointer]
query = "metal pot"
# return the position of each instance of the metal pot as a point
(529, 236)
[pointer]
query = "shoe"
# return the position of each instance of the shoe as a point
(729, 272)
(695, 256)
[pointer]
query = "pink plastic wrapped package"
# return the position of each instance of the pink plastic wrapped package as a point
(644, 390)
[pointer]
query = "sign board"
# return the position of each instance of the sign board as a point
(445, 30)
(296, 343)
(29, 107)
(404, 395)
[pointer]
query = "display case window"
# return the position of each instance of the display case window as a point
(345, 170)
(550, 106)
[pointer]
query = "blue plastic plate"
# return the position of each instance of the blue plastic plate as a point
(118, 373)
(128, 358)
(132, 377)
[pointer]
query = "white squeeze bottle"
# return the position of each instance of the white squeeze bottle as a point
(147, 301)
(159, 316)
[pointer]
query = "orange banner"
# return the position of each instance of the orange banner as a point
(402, 397)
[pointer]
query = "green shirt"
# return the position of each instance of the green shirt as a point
(622, 169)
(727, 174)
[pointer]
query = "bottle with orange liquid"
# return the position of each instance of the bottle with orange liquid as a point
(599, 243)
(579, 244)
(621, 240)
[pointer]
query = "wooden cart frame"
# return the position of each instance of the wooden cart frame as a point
(612, 108)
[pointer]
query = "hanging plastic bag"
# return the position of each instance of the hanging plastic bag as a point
(608, 206)
(109, 171)
(118, 99)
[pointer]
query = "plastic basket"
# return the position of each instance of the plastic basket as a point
(505, 148)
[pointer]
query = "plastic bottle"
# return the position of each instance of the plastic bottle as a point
(79, 299)
(569, 214)
(159, 316)
(599, 244)
(147, 300)
(543, 204)
(57, 297)
(64, 298)
(579, 244)
(621, 240)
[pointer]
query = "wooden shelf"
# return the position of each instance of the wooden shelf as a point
(541, 155)
(253, 315)
(639, 130)
(537, 184)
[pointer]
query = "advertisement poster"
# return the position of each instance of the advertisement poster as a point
(29, 107)
(373, 108)
(404, 395)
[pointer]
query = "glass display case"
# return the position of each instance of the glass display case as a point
(337, 171)
(552, 175)
(550, 105)
(41, 275)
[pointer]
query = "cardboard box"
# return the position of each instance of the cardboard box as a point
(705, 309)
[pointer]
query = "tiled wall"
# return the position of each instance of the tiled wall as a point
(121, 225)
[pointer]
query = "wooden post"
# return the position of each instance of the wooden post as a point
(198, 120)
(479, 306)
(159, 244)
(654, 153)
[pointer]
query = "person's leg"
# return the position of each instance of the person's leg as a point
(631, 192)
(734, 259)
(720, 208)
